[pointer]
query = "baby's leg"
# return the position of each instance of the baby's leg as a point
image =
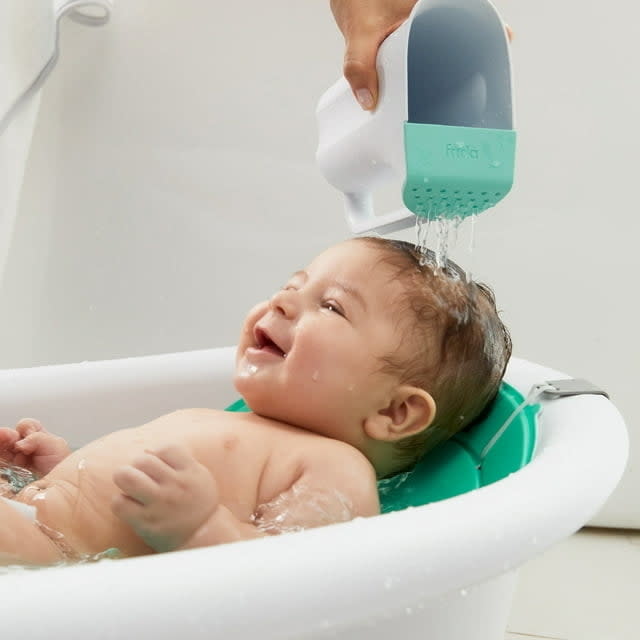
(23, 542)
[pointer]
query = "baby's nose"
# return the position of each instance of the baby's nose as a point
(285, 302)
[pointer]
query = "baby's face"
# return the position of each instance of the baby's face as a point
(312, 355)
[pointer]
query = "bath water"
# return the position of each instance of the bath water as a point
(15, 477)
(531, 399)
(389, 485)
(322, 507)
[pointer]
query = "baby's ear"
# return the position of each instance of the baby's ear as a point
(410, 410)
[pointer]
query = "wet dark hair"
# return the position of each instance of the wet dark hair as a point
(461, 346)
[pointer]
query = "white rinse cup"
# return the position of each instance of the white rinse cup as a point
(443, 123)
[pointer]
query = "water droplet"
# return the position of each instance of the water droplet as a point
(315, 376)
(248, 370)
(464, 593)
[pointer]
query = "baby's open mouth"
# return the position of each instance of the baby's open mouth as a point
(265, 343)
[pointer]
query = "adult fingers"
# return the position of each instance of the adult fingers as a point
(360, 69)
(510, 32)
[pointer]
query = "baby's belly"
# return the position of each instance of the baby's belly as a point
(78, 517)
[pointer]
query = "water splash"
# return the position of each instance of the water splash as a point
(291, 510)
(446, 235)
(16, 477)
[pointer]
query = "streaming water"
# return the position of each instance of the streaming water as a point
(445, 231)
(531, 399)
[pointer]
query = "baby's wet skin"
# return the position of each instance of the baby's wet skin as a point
(253, 461)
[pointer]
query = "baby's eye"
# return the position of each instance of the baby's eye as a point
(332, 305)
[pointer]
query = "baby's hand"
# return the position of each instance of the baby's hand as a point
(166, 496)
(31, 446)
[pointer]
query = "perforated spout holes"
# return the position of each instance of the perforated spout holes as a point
(433, 203)
(455, 172)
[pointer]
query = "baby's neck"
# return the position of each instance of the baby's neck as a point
(381, 456)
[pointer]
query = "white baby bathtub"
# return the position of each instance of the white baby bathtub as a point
(444, 571)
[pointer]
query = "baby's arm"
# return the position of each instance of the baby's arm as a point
(171, 501)
(326, 491)
(31, 446)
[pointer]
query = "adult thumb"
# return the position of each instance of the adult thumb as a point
(360, 70)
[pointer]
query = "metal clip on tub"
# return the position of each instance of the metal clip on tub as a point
(554, 389)
(571, 387)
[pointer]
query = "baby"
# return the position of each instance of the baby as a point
(357, 366)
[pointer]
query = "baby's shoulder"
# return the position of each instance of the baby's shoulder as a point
(340, 466)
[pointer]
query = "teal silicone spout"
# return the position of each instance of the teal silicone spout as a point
(443, 127)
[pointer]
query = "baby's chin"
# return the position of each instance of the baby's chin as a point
(246, 384)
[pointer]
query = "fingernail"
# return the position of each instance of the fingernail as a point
(364, 97)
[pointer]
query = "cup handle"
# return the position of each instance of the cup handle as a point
(362, 218)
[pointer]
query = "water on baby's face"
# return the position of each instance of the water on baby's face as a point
(247, 369)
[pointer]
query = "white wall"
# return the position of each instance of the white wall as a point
(172, 184)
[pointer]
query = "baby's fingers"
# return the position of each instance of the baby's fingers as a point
(27, 426)
(135, 484)
(38, 440)
(156, 468)
(176, 456)
(8, 438)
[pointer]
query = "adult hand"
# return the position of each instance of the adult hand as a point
(364, 25)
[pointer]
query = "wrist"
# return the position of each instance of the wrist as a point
(221, 527)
